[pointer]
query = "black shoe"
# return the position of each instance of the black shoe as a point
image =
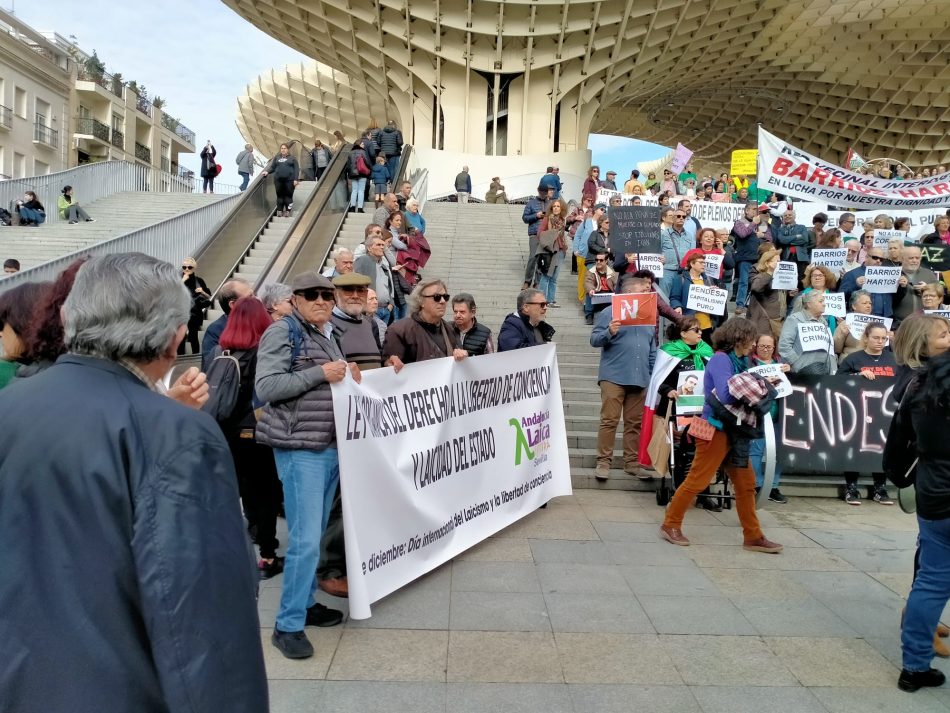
(712, 504)
(588, 319)
(292, 644)
(881, 496)
(319, 615)
(775, 495)
(271, 569)
(913, 680)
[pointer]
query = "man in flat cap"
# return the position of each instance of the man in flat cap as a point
(298, 358)
(534, 210)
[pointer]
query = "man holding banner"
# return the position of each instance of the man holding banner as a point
(626, 335)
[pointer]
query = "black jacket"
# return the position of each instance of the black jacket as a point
(283, 167)
(390, 141)
(516, 333)
(351, 163)
(134, 587)
(927, 427)
(208, 167)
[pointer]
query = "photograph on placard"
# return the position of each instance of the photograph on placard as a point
(689, 392)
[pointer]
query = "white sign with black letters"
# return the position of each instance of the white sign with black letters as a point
(857, 323)
(651, 262)
(835, 305)
(714, 265)
(814, 337)
(785, 277)
(832, 258)
(881, 280)
(769, 371)
(883, 237)
(710, 300)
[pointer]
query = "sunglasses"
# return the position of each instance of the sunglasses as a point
(693, 329)
(312, 294)
(876, 257)
(187, 267)
(600, 259)
(542, 305)
(678, 215)
(438, 297)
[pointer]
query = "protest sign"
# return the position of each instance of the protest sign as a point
(858, 322)
(605, 194)
(714, 265)
(681, 157)
(789, 170)
(651, 262)
(770, 371)
(785, 276)
(881, 280)
(634, 309)
(720, 197)
(440, 456)
(710, 300)
(945, 313)
(832, 258)
(835, 305)
(743, 162)
(635, 229)
(814, 337)
(690, 397)
(883, 237)
(599, 298)
(831, 424)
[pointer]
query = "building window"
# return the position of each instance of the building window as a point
(19, 165)
(40, 168)
(19, 102)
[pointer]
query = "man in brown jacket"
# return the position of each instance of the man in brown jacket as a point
(424, 334)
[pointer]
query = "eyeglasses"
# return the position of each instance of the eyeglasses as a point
(187, 267)
(678, 215)
(354, 288)
(542, 305)
(600, 259)
(765, 347)
(443, 297)
(876, 257)
(312, 294)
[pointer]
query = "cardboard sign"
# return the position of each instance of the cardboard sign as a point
(783, 386)
(600, 298)
(681, 157)
(651, 262)
(881, 280)
(857, 323)
(690, 396)
(883, 237)
(832, 258)
(785, 277)
(714, 265)
(635, 229)
(634, 309)
(710, 300)
(814, 337)
(744, 162)
(835, 305)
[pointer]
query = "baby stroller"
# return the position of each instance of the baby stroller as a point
(714, 497)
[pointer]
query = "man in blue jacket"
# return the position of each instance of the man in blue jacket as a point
(792, 239)
(552, 181)
(534, 210)
(882, 305)
(626, 363)
(526, 326)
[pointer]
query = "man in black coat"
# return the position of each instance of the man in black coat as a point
(526, 327)
(130, 584)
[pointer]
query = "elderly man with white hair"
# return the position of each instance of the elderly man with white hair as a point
(914, 278)
(343, 259)
(135, 586)
(852, 260)
(463, 185)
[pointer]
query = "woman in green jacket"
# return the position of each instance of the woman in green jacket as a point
(70, 209)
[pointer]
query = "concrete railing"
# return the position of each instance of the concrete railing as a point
(169, 240)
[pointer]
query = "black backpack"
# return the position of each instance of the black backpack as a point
(224, 386)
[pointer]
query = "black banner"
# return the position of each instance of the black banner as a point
(634, 229)
(833, 424)
(936, 257)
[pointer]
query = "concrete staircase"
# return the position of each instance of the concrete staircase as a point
(114, 216)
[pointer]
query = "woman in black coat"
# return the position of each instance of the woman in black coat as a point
(200, 299)
(286, 174)
(209, 168)
(358, 170)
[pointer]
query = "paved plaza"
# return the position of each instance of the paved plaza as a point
(580, 607)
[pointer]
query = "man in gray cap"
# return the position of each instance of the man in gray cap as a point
(298, 358)
(534, 210)
(361, 345)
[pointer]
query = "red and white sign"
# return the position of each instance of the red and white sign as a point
(635, 309)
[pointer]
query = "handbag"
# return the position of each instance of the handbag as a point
(659, 446)
(701, 429)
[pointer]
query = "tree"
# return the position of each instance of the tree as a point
(158, 102)
(94, 66)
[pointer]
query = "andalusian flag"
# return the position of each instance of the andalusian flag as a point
(853, 160)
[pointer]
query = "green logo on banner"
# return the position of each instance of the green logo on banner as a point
(521, 442)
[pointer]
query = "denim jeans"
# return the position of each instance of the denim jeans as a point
(245, 179)
(384, 314)
(742, 282)
(548, 285)
(757, 458)
(392, 164)
(928, 595)
(32, 215)
(400, 312)
(309, 480)
(357, 192)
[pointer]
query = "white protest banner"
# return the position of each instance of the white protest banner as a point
(605, 194)
(835, 305)
(789, 170)
(881, 280)
(710, 300)
(945, 313)
(714, 265)
(681, 157)
(883, 237)
(648, 261)
(599, 298)
(785, 276)
(858, 322)
(832, 258)
(783, 386)
(814, 337)
(440, 456)
(717, 215)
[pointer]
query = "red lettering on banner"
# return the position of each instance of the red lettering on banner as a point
(819, 176)
(836, 182)
(781, 166)
(907, 194)
(941, 188)
(800, 172)
(924, 191)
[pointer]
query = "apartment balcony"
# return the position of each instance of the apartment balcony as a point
(87, 127)
(103, 81)
(179, 129)
(45, 135)
(143, 153)
(6, 117)
(118, 139)
(143, 105)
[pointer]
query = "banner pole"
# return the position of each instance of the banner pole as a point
(758, 157)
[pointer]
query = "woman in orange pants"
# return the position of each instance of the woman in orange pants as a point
(733, 341)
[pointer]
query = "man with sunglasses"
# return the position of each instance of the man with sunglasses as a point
(424, 334)
(675, 242)
(881, 304)
(600, 279)
(298, 358)
(230, 292)
(526, 327)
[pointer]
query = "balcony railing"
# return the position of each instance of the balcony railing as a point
(184, 173)
(118, 139)
(6, 117)
(104, 80)
(93, 127)
(143, 153)
(45, 135)
(143, 105)
(181, 131)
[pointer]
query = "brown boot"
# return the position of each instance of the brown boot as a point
(943, 631)
(763, 544)
(674, 535)
(602, 472)
(940, 648)
(335, 587)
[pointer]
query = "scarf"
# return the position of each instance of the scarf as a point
(679, 349)
(739, 364)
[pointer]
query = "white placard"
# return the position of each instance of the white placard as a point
(945, 313)
(710, 300)
(601, 298)
(857, 322)
(440, 456)
(714, 265)
(881, 280)
(832, 258)
(783, 386)
(835, 305)
(651, 262)
(785, 277)
(814, 337)
(883, 237)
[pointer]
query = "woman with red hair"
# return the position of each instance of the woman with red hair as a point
(258, 483)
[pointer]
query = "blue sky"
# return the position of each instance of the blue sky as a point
(199, 56)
